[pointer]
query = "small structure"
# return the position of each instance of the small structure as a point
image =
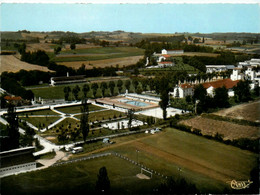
(17, 160)
(174, 51)
(237, 74)
(165, 64)
(219, 68)
(67, 80)
(13, 99)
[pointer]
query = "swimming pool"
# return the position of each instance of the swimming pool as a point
(134, 103)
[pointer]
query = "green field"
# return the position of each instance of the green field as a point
(80, 177)
(41, 122)
(38, 112)
(101, 53)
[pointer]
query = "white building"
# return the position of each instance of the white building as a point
(183, 90)
(253, 62)
(218, 68)
(17, 160)
(175, 51)
(237, 74)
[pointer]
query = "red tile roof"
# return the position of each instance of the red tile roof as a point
(228, 83)
(12, 98)
(164, 62)
(166, 56)
(186, 85)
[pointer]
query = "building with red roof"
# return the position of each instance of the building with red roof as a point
(228, 83)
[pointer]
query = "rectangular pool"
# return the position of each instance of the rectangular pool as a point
(134, 103)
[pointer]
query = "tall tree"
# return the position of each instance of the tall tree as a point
(164, 90)
(84, 126)
(12, 127)
(221, 97)
(75, 91)
(242, 91)
(103, 182)
(85, 90)
(66, 91)
(130, 115)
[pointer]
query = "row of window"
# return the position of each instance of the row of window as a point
(16, 167)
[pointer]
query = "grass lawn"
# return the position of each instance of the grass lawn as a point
(77, 109)
(38, 112)
(39, 121)
(80, 177)
(103, 115)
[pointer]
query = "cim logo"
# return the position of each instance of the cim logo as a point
(239, 185)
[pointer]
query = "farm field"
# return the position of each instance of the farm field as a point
(10, 63)
(204, 162)
(247, 111)
(124, 61)
(80, 177)
(229, 130)
(92, 54)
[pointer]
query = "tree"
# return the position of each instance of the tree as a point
(131, 88)
(139, 88)
(12, 127)
(103, 182)
(84, 126)
(99, 93)
(90, 94)
(164, 90)
(201, 98)
(107, 92)
(111, 85)
(75, 91)
(221, 97)
(130, 115)
(123, 89)
(242, 91)
(85, 90)
(116, 91)
(72, 46)
(66, 91)
(57, 50)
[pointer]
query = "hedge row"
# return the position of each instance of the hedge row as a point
(243, 143)
(232, 120)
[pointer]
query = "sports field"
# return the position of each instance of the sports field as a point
(80, 177)
(207, 163)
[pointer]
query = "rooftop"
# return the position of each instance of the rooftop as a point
(228, 83)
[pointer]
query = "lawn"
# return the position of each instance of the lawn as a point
(38, 112)
(80, 177)
(40, 122)
(77, 109)
(103, 115)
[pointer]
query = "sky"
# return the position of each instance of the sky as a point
(145, 18)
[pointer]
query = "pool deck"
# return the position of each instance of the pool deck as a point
(117, 102)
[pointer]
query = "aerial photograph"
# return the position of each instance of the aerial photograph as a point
(129, 98)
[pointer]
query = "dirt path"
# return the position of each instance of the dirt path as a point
(48, 162)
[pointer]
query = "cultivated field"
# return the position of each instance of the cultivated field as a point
(11, 64)
(248, 111)
(229, 130)
(125, 61)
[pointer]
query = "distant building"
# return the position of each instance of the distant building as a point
(237, 74)
(183, 90)
(17, 160)
(175, 51)
(228, 83)
(165, 64)
(219, 68)
(253, 62)
(67, 80)
(16, 100)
